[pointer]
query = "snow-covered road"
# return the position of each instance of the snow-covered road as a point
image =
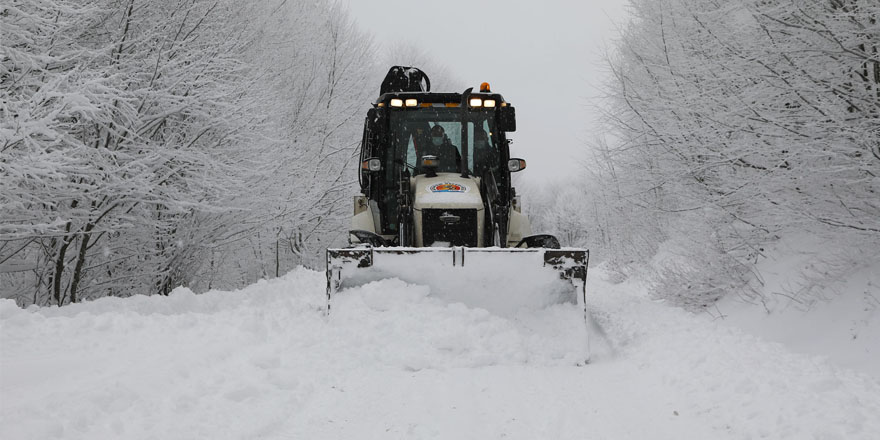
(394, 362)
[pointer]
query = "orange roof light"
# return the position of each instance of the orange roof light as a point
(484, 88)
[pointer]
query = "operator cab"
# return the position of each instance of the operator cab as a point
(412, 136)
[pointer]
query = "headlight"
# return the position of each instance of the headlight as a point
(412, 102)
(476, 102)
(372, 164)
(396, 102)
(489, 103)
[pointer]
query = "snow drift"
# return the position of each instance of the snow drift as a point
(391, 361)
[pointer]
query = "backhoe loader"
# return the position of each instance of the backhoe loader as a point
(437, 206)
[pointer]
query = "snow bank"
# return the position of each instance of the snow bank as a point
(746, 386)
(395, 361)
(234, 364)
(819, 300)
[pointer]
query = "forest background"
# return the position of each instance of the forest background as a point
(212, 143)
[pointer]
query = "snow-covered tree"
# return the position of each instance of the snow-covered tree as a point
(748, 118)
(121, 122)
(314, 90)
(147, 145)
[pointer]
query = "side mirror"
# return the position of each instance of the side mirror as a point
(506, 118)
(372, 164)
(514, 165)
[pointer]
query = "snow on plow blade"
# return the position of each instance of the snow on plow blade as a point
(499, 280)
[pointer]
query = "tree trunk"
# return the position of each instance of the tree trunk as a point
(80, 262)
(59, 265)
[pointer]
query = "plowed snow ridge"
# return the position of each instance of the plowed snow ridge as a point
(393, 362)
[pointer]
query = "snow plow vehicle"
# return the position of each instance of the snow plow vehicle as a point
(437, 206)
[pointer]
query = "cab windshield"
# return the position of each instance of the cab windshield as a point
(438, 131)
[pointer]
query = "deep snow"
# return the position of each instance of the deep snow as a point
(391, 361)
(820, 298)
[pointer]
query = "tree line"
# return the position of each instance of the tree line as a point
(731, 124)
(146, 145)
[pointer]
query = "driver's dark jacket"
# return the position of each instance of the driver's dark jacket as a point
(447, 155)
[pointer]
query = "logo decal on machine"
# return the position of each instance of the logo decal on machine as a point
(447, 187)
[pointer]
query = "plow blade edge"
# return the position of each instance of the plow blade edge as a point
(499, 280)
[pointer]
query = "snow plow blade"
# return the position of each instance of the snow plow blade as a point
(500, 280)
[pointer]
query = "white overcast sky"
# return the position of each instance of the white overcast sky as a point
(545, 57)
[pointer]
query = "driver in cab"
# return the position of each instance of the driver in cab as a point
(447, 154)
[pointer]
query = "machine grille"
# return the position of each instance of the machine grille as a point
(455, 226)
